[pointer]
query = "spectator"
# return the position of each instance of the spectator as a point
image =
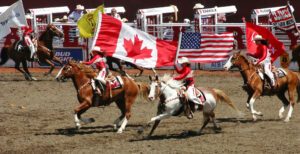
(171, 19)
(115, 14)
(198, 6)
(77, 14)
(221, 17)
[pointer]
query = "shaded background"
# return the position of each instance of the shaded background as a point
(244, 8)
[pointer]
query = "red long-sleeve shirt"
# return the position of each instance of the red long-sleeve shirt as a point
(185, 73)
(261, 53)
(97, 60)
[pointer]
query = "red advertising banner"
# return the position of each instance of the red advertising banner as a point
(283, 19)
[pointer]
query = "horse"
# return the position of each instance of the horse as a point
(255, 87)
(81, 77)
(170, 104)
(22, 55)
(296, 54)
(121, 70)
(45, 50)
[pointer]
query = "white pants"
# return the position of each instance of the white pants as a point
(191, 92)
(101, 77)
(29, 43)
(267, 68)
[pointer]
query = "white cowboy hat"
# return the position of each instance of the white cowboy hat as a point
(65, 17)
(198, 6)
(79, 7)
(258, 38)
(96, 49)
(186, 20)
(28, 16)
(183, 60)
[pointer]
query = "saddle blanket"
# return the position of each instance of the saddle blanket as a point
(279, 73)
(116, 83)
(199, 94)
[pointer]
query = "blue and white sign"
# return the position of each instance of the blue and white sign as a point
(67, 53)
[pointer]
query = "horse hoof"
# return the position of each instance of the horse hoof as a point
(33, 79)
(259, 114)
(78, 127)
(140, 131)
(119, 131)
(287, 120)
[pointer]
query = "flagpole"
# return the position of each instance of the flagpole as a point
(178, 47)
(98, 25)
(288, 3)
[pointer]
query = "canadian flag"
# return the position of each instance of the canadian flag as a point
(276, 48)
(124, 42)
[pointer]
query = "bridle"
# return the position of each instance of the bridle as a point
(161, 92)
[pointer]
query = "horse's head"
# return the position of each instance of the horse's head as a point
(155, 84)
(54, 31)
(66, 71)
(234, 60)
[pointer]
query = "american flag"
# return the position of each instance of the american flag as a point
(206, 47)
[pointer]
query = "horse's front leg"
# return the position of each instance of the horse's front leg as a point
(157, 118)
(252, 100)
(17, 67)
(85, 105)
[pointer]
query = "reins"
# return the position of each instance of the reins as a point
(84, 85)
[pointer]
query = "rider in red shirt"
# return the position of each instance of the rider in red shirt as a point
(98, 60)
(263, 56)
(27, 33)
(187, 74)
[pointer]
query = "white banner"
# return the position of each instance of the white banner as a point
(13, 17)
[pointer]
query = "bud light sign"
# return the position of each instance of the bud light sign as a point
(67, 53)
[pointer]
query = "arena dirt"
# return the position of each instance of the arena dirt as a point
(37, 117)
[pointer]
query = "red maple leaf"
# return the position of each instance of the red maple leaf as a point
(135, 51)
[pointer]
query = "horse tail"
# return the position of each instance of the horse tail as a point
(223, 97)
(144, 90)
(4, 55)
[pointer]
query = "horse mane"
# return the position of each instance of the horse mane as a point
(250, 64)
(171, 82)
(144, 90)
(89, 71)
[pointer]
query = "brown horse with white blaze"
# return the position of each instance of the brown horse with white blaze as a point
(124, 96)
(255, 86)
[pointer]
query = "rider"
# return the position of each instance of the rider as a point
(98, 60)
(263, 56)
(187, 74)
(27, 35)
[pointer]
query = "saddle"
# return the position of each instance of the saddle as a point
(277, 72)
(19, 46)
(189, 107)
(111, 83)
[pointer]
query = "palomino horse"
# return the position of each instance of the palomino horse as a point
(170, 105)
(255, 86)
(124, 96)
(45, 51)
(296, 54)
(111, 60)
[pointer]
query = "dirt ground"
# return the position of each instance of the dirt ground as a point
(37, 117)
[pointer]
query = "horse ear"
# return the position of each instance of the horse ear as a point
(67, 60)
(156, 77)
(150, 77)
